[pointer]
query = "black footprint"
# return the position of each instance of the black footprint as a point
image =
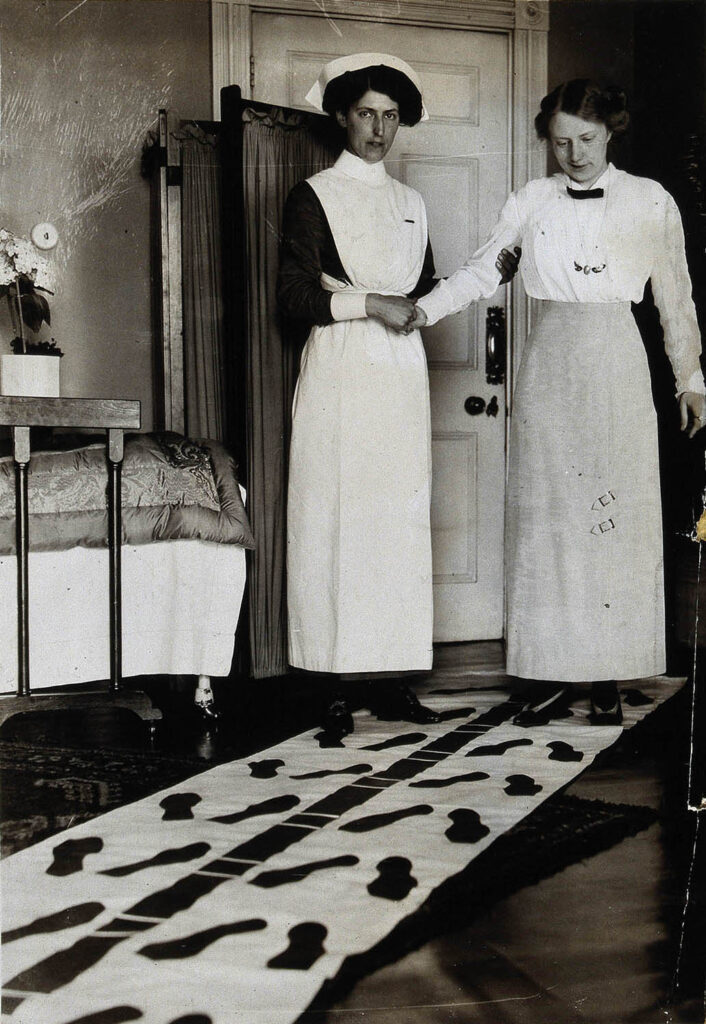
(306, 945)
(636, 698)
(451, 780)
(561, 751)
(372, 821)
(265, 769)
(271, 879)
(177, 806)
(492, 749)
(192, 1018)
(191, 945)
(355, 769)
(81, 913)
(68, 856)
(178, 856)
(115, 1015)
(395, 881)
(521, 785)
(403, 740)
(467, 827)
(326, 740)
(275, 805)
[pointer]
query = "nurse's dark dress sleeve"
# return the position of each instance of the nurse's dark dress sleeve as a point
(307, 249)
(427, 278)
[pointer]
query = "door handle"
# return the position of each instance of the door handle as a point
(474, 405)
(495, 345)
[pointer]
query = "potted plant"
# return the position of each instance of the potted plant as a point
(34, 366)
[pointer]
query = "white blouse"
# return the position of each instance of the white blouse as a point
(629, 236)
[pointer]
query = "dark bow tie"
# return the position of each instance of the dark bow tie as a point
(585, 193)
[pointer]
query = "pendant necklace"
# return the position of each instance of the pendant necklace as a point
(585, 267)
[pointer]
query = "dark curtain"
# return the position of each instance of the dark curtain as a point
(279, 150)
(202, 282)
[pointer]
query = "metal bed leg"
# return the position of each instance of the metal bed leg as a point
(21, 456)
(115, 458)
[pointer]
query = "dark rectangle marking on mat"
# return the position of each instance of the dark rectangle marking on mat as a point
(372, 782)
(267, 844)
(123, 924)
(229, 867)
(343, 800)
(315, 820)
(405, 769)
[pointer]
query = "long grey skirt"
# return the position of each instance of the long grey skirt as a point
(584, 563)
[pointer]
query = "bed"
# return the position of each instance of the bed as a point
(184, 534)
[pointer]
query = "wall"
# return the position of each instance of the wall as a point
(594, 39)
(81, 86)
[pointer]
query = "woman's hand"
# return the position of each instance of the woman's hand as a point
(419, 319)
(507, 263)
(395, 311)
(691, 408)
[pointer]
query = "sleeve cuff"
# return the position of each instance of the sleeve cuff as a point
(695, 383)
(348, 305)
(435, 305)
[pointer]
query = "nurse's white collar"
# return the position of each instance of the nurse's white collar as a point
(354, 167)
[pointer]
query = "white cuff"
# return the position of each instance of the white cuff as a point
(695, 383)
(436, 304)
(348, 305)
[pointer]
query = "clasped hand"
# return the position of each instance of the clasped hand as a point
(402, 315)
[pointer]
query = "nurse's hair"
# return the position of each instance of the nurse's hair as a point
(342, 92)
(584, 98)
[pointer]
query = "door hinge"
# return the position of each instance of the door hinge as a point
(252, 72)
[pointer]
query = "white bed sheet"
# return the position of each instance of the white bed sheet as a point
(181, 602)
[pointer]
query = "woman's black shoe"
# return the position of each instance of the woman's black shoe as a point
(544, 701)
(207, 712)
(338, 719)
(605, 703)
(400, 704)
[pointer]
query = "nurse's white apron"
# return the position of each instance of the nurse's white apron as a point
(359, 542)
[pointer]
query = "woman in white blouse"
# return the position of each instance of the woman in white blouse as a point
(585, 595)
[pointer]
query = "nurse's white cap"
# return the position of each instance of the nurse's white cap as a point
(356, 62)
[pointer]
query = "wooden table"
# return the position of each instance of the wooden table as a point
(114, 416)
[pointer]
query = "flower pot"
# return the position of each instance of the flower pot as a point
(30, 375)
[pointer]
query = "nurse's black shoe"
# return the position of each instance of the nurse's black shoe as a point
(398, 703)
(337, 720)
(544, 701)
(606, 708)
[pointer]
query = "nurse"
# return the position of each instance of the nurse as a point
(355, 255)
(585, 596)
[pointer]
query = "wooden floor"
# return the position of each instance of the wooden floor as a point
(605, 941)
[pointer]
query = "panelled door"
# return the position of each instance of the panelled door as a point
(460, 162)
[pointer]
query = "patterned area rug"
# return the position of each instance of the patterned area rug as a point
(231, 898)
(47, 789)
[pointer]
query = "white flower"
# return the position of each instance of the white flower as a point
(19, 256)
